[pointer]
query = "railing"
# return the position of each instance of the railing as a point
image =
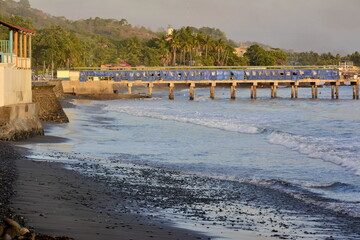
(197, 68)
(4, 46)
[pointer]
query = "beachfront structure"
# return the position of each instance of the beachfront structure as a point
(18, 114)
(88, 81)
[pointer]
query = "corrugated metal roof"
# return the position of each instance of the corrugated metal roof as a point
(16, 28)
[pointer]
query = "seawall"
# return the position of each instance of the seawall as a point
(50, 109)
(19, 121)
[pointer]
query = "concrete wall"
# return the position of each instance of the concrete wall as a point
(15, 85)
(19, 121)
(95, 87)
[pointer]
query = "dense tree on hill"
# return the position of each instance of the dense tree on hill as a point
(25, 3)
(258, 56)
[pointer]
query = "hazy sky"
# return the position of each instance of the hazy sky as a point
(302, 25)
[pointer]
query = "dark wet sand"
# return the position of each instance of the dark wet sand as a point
(61, 202)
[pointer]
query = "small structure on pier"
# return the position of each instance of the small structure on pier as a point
(18, 114)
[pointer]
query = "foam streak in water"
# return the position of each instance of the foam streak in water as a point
(327, 149)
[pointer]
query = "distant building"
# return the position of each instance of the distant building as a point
(240, 51)
(345, 64)
(120, 65)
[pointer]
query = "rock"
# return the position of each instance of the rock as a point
(12, 223)
(1, 230)
(7, 237)
(24, 231)
(12, 232)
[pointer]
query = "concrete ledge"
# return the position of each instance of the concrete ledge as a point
(19, 121)
(94, 87)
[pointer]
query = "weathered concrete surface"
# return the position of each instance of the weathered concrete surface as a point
(19, 121)
(94, 87)
(50, 109)
(58, 88)
(15, 85)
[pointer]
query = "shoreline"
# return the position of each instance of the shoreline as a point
(56, 201)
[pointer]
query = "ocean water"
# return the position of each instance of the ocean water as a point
(299, 158)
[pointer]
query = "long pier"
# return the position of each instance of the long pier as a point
(253, 85)
(287, 76)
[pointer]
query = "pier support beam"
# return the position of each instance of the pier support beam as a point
(314, 90)
(355, 86)
(150, 86)
(337, 89)
(332, 90)
(294, 90)
(233, 91)
(171, 91)
(212, 90)
(129, 86)
(192, 91)
(273, 89)
(253, 90)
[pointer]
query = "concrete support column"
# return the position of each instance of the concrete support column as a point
(171, 91)
(253, 90)
(25, 51)
(337, 90)
(233, 91)
(332, 91)
(212, 90)
(30, 47)
(192, 91)
(11, 45)
(16, 47)
(314, 90)
(25, 45)
(274, 89)
(129, 86)
(150, 86)
(296, 90)
(21, 45)
(355, 86)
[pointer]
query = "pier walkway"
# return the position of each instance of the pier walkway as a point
(233, 77)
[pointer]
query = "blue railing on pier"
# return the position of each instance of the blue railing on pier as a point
(210, 75)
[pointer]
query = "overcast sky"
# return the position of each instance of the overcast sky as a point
(302, 25)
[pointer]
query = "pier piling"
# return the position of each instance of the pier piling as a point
(192, 91)
(233, 90)
(253, 90)
(150, 86)
(332, 91)
(355, 86)
(129, 88)
(314, 90)
(171, 91)
(274, 89)
(337, 90)
(212, 90)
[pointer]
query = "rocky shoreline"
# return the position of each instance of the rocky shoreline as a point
(44, 197)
